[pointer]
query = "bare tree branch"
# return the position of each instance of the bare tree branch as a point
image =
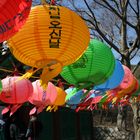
(109, 42)
(133, 9)
(97, 1)
(117, 5)
(134, 54)
(119, 15)
(134, 45)
(112, 25)
(138, 7)
(109, 7)
(136, 67)
(124, 25)
(99, 31)
(96, 23)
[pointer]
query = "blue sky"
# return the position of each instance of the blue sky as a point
(131, 33)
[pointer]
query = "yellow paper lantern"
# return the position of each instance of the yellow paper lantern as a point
(53, 36)
(59, 101)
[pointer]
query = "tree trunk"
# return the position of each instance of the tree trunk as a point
(124, 47)
(121, 118)
(136, 118)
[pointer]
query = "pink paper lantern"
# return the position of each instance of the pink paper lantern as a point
(15, 91)
(126, 84)
(41, 97)
(128, 78)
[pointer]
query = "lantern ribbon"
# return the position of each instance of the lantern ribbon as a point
(28, 74)
(50, 71)
(53, 2)
(11, 108)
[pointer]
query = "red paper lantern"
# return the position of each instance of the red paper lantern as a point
(15, 91)
(13, 14)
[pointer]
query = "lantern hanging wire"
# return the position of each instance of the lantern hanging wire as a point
(52, 2)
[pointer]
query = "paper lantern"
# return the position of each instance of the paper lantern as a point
(15, 92)
(128, 78)
(60, 99)
(40, 96)
(126, 86)
(131, 89)
(76, 98)
(126, 83)
(126, 93)
(114, 80)
(13, 14)
(0, 86)
(137, 92)
(93, 68)
(134, 86)
(52, 37)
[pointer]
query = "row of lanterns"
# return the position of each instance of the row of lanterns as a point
(16, 92)
(117, 82)
(89, 75)
(56, 40)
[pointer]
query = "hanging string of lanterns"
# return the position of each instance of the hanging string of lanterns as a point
(56, 40)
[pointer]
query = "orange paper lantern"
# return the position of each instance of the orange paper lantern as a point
(59, 101)
(61, 95)
(13, 14)
(52, 37)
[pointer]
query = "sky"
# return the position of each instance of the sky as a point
(131, 33)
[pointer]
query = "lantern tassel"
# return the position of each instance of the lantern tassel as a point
(48, 73)
(50, 108)
(43, 78)
(28, 74)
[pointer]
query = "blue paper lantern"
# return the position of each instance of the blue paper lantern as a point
(114, 80)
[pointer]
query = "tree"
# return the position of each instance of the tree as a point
(117, 23)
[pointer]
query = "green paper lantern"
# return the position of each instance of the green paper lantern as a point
(0, 86)
(94, 67)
